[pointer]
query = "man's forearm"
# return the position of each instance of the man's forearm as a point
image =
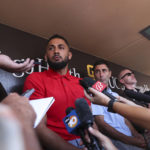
(50, 140)
(30, 138)
(132, 129)
(138, 115)
(110, 131)
(113, 133)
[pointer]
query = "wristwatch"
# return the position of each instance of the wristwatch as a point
(110, 105)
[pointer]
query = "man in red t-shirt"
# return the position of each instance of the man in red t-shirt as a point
(58, 83)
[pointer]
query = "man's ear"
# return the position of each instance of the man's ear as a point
(121, 81)
(70, 55)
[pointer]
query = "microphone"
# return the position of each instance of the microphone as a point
(72, 121)
(68, 110)
(87, 82)
(99, 86)
(78, 120)
(86, 118)
(84, 113)
(137, 96)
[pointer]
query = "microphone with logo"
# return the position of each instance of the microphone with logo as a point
(78, 120)
(99, 86)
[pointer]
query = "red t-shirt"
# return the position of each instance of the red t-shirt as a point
(64, 88)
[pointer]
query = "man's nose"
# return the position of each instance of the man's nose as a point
(100, 73)
(56, 50)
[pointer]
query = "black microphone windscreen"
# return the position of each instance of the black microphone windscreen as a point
(138, 96)
(87, 82)
(68, 110)
(147, 93)
(83, 111)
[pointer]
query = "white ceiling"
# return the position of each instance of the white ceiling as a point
(105, 28)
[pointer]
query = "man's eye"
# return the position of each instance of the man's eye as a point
(104, 70)
(50, 48)
(61, 47)
(97, 71)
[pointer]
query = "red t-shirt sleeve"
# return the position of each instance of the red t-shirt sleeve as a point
(34, 81)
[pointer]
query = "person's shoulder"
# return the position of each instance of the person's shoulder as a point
(35, 76)
(76, 79)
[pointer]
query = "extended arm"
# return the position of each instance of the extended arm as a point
(9, 65)
(138, 115)
(131, 111)
(50, 140)
(26, 116)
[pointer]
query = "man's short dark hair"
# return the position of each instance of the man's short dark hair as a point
(55, 36)
(101, 62)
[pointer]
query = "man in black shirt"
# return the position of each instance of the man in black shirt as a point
(128, 79)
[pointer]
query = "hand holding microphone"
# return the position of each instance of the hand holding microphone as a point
(101, 99)
(97, 97)
(103, 140)
(96, 93)
(106, 98)
(77, 122)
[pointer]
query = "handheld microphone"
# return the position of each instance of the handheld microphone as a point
(87, 82)
(84, 113)
(138, 96)
(78, 120)
(86, 118)
(68, 110)
(97, 85)
(72, 121)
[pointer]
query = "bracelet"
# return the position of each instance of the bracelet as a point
(110, 105)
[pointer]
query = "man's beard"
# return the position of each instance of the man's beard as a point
(58, 65)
